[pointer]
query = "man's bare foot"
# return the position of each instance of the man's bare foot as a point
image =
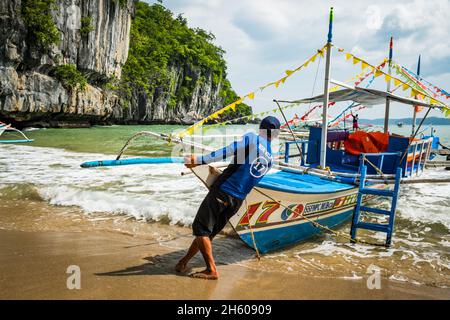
(181, 267)
(206, 274)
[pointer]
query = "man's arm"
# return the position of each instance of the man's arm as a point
(232, 149)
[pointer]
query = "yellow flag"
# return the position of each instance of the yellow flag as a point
(277, 84)
(396, 82)
(413, 93)
(283, 79)
(405, 86)
(313, 58)
(387, 78)
(355, 60)
(364, 65)
(232, 106)
(251, 95)
(433, 101)
(289, 72)
(239, 101)
(190, 131)
(348, 56)
(378, 73)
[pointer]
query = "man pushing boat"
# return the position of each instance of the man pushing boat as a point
(251, 160)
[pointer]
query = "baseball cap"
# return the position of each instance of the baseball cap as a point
(269, 123)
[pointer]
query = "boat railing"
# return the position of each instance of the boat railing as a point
(363, 158)
(303, 144)
(417, 156)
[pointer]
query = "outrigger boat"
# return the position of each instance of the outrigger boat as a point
(7, 127)
(335, 177)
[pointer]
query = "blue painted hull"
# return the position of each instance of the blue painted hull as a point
(287, 235)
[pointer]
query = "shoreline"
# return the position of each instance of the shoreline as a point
(33, 265)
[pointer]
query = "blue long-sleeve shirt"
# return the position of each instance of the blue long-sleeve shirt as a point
(252, 159)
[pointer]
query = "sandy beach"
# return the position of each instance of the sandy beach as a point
(124, 258)
(117, 266)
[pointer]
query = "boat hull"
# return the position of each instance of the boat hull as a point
(274, 227)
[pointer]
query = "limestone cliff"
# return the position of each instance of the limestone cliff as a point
(93, 38)
(29, 93)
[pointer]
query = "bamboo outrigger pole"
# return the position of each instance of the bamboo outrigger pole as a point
(388, 102)
(415, 109)
(326, 91)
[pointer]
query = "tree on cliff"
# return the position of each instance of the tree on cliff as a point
(160, 42)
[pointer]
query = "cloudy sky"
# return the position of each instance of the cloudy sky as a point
(263, 38)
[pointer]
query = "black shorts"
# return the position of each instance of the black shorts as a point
(214, 212)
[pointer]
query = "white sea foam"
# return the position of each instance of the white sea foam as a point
(150, 192)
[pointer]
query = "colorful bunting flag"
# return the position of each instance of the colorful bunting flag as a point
(289, 72)
(364, 65)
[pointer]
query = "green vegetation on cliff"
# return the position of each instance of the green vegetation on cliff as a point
(161, 43)
(70, 77)
(39, 22)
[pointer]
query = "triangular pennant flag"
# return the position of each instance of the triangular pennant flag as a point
(377, 73)
(321, 53)
(190, 131)
(251, 95)
(413, 93)
(283, 79)
(289, 72)
(405, 86)
(348, 56)
(239, 101)
(232, 106)
(447, 112)
(364, 65)
(355, 60)
(396, 82)
(277, 84)
(387, 78)
(313, 58)
(275, 110)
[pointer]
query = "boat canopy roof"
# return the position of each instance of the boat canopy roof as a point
(365, 96)
(301, 183)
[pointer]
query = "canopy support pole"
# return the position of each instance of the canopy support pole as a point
(388, 102)
(415, 109)
(323, 143)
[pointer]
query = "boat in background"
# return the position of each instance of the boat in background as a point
(7, 128)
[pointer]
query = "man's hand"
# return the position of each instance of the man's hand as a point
(190, 161)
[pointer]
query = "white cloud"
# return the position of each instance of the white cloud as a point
(262, 38)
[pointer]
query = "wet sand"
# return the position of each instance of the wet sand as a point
(119, 266)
